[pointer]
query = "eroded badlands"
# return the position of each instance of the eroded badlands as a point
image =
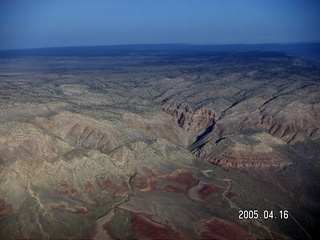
(159, 145)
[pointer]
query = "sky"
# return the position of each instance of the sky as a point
(55, 23)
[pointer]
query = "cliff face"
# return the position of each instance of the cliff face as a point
(275, 122)
(243, 151)
(188, 119)
(148, 146)
(232, 154)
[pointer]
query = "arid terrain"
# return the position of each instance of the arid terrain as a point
(151, 145)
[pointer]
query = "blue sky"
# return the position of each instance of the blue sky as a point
(44, 23)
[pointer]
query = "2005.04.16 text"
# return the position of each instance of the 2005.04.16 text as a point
(267, 214)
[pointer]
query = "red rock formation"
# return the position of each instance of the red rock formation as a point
(235, 154)
(188, 119)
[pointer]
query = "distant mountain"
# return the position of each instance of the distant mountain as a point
(308, 51)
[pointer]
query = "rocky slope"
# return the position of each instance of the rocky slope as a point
(159, 146)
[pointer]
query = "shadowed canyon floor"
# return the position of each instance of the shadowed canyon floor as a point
(158, 145)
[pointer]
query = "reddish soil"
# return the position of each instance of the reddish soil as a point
(80, 210)
(107, 228)
(208, 189)
(184, 177)
(5, 208)
(230, 195)
(220, 229)
(95, 204)
(67, 189)
(89, 188)
(144, 228)
(171, 188)
(178, 181)
(93, 231)
(138, 182)
(109, 184)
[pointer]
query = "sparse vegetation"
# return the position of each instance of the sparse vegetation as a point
(175, 143)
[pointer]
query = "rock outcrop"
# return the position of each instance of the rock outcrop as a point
(152, 145)
(242, 152)
(196, 121)
(295, 122)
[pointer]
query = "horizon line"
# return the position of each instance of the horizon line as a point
(163, 44)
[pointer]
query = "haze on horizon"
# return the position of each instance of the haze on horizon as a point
(44, 23)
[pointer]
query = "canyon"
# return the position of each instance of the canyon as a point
(158, 145)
